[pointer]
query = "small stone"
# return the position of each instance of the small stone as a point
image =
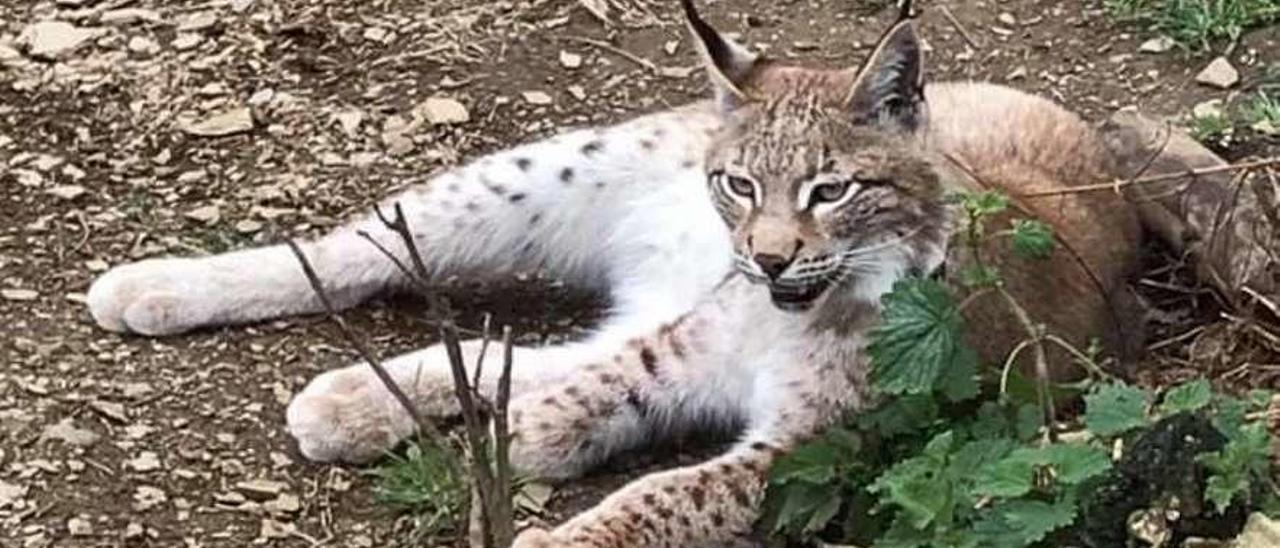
(143, 45)
(147, 461)
(248, 226)
(127, 16)
(96, 265)
(111, 410)
(198, 21)
(10, 494)
(350, 121)
(1159, 44)
(577, 92)
(209, 214)
(272, 529)
(261, 97)
(229, 122)
(79, 527)
(442, 110)
(55, 39)
(284, 504)
(261, 489)
(186, 41)
(66, 192)
(1207, 109)
(1007, 19)
(147, 497)
(671, 46)
(1017, 74)
(133, 530)
(66, 432)
(570, 60)
(1219, 74)
(19, 294)
(537, 98)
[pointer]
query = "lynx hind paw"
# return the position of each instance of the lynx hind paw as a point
(143, 298)
(346, 416)
(536, 538)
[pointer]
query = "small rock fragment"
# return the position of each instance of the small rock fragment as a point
(55, 39)
(198, 21)
(1007, 19)
(209, 214)
(127, 16)
(19, 294)
(1158, 44)
(68, 433)
(570, 60)
(1219, 74)
(10, 494)
(147, 497)
(261, 489)
(442, 110)
(350, 121)
(66, 192)
(79, 527)
(229, 122)
(144, 462)
(536, 98)
(111, 410)
(186, 40)
(143, 45)
(286, 503)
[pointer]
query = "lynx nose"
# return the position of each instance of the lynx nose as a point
(772, 265)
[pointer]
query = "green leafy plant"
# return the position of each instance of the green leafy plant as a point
(1197, 24)
(1262, 113)
(424, 483)
(1210, 127)
(951, 457)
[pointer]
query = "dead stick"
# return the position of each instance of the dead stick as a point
(400, 226)
(503, 517)
(481, 475)
(1265, 162)
(946, 12)
(647, 64)
(424, 427)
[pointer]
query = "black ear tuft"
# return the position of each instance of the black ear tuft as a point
(889, 87)
(728, 64)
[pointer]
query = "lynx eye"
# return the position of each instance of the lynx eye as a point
(737, 185)
(827, 192)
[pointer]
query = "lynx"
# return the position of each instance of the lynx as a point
(745, 242)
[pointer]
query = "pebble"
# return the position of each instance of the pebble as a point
(1219, 74)
(229, 122)
(1159, 44)
(536, 98)
(55, 39)
(442, 111)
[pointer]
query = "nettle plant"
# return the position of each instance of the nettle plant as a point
(962, 456)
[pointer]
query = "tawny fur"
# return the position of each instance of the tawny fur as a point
(693, 341)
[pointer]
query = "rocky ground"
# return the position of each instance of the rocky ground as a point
(141, 128)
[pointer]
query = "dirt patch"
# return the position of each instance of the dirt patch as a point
(109, 440)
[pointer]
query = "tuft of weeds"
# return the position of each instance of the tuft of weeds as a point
(1210, 127)
(422, 482)
(1197, 24)
(1262, 113)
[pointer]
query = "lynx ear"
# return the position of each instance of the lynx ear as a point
(728, 64)
(889, 87)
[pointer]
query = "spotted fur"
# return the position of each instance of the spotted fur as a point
(741, 301)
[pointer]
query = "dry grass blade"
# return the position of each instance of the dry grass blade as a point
(1119, 184)
(647, 64)
(424, 427)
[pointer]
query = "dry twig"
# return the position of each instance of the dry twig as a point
(424, 427)
(1118, 184)
(946, 12)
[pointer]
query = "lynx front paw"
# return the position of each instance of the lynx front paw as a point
(148, 298)
(347, 415)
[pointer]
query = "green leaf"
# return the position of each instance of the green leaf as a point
(1233, 468)
(1012, 476)
(1032, 239)
(919, 485)
(1187, 397)
(1113, 409)
(901, 415)
(1018, 523)
(960, 381)
(984, 204)
(1074, 464)
(918, 339)
(1029, 420)
(803, 506)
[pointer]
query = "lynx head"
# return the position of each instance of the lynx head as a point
(817, 172)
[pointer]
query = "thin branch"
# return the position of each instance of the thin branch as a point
(401, 226)
(1116, 185)
(502, 516)
(1036, 334)
(424, 427)
(946, 12)
(647, 64)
